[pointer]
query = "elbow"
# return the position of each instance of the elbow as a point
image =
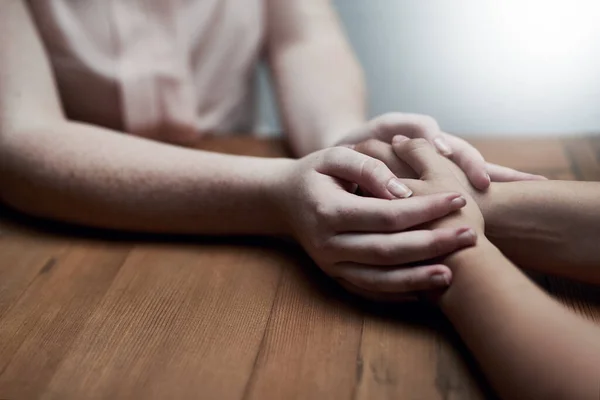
(20, 169)
(12, 181)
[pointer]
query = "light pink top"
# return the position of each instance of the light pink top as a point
(162, 69)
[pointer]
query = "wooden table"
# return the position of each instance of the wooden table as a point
(101, 315)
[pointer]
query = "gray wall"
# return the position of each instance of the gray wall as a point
(480, 67)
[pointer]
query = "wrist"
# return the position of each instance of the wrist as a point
(485, 200)
(277, 173)
(489, 203)
(470, 256)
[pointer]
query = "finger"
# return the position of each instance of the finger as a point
(386, 126)
(363, 214)
(499, 173)
(419, 155)
(384, 152)
(413, 126)
(399, 248)
(369, 173)
(470, 160)
(399, 280)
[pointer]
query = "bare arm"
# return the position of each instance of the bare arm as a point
(319, 82)
(528, 345)
(548, 226)
(56, 168)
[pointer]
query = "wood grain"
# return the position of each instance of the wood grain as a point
(101, 315)
(39, 329)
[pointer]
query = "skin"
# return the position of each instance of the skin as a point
(479, 173)
(304, 37)
(528, 345)
(94, 176)
(534, 223)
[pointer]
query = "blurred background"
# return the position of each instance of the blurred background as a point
(521, 68)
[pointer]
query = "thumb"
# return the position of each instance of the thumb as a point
(369, 173)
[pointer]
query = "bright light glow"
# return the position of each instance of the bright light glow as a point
(550, 28)
(505, 66)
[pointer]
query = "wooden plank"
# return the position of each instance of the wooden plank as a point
(566, 175)
(229, 320)
(585, 165)
(397, 357)
(179, 322)
(410, 352)
(22, 258)
(311, 344)
(583, 157)
(38, 330)
(529, 155)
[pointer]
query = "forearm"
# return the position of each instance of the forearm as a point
(93, 176)
(528, 345)
(549, 226)
(319, 83)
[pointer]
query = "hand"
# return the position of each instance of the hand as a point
(479, 173)
(385, 153)
(360, 240)
(436, 175)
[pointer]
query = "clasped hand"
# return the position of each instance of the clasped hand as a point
(420, 207)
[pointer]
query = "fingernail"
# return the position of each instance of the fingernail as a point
(488, 177)
(399, 189)
(458, 202)
(442, 279)
(442, 146)
(399, 139)
(466, 236)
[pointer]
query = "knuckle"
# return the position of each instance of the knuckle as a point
(371, 167)
(389, 121)
(387, 219)
(428, 122)
(330, 216)
(419, 147)
(424, 125)
(374, 146)
(325, 210)
(369, 147)
(436, 245)
(346, 215)
(337, 152)
(383, 252)
(418, 143)
(387, 125)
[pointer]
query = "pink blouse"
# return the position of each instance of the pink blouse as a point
(162, 69)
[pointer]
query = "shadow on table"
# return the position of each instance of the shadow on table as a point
(415, 315)
(584, 298)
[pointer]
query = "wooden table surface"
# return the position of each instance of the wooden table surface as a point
(104, 315)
